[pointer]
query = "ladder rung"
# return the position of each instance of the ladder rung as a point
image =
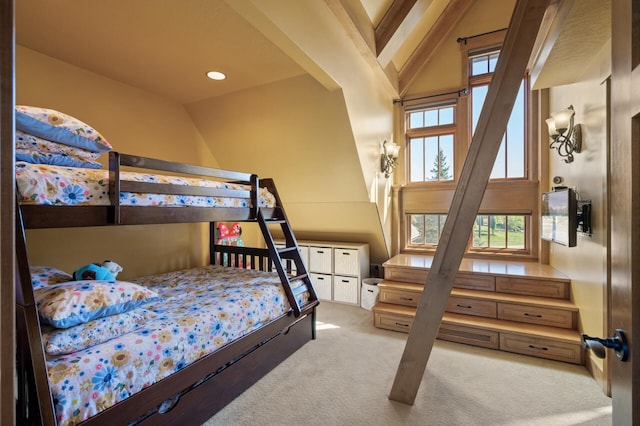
(299, 290)
(298, 277)
(286, 250)
(275, 221)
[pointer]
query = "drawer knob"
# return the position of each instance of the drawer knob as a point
(406, 298)
(539, 348)
(464, 306)
(401, 324)
(526, 314)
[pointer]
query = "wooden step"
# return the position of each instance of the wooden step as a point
(554, 333)
(529, 339)
(545, 311)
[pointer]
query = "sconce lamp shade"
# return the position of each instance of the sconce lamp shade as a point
(389, 158)
(391, 149)
(566, 137)
(551, 124)
(562, 119)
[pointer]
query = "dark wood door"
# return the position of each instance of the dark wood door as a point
(625, 208)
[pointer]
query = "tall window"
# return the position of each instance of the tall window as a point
(431, 139)
(510, 161)
(437, 131)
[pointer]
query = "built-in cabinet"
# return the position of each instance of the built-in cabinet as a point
(520, 307)
(336, 269)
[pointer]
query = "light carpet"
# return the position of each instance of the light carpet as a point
(345, 375)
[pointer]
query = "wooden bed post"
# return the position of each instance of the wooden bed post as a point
(510, 69)
(7, 209)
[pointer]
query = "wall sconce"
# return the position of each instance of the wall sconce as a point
(567, 137)
(389, 159)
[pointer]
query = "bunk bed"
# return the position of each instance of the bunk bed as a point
(211, 369)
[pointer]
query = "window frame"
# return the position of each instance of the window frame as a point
(435, 197)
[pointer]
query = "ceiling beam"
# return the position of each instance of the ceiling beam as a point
(552, 24)
(515, 53)
(429, 46)
(396, 25)
(359, 29)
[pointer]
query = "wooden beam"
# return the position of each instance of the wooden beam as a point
(357, 25)
(388, 43)
(7, 214)
(429, 46)
(391, 21)
(552, 24)
(510, 69)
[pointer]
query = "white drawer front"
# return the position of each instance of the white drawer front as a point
(345, 289)
(346, 261)
(320, 259)
(322, 284)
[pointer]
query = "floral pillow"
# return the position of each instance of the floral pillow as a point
(33, 149)
(59, 127)
(44, 276)
(62, 341)
(76, 302)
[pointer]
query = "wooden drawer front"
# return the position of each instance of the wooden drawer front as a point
(554, 289)
(479, 308)
(475, 282)
(345, 289)
(542, 348)
(392, 321)
(320, 259)
(399, 297)
(468, 335)
(407, 275)
(536, 315)
(322, 285)
(345, 261)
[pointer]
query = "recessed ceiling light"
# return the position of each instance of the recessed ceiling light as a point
(215, 75)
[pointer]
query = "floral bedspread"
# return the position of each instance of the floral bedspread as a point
(57, 185)
(200, 310)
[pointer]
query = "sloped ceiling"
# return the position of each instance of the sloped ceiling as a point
(167, 46)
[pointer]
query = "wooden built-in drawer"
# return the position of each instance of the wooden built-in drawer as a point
(392, 321)
(537, 315)
(475, 281)
(533, 287)
(468, 306)
(400, 293)
(418, 276)
(469, 335)
(542, 348)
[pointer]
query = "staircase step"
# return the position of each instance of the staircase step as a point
(545, 302)
(492, 324)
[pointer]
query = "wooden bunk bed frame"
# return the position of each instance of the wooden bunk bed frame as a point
(198, 391)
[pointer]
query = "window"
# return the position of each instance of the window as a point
(499, 232)
(510, 161)
(426, 229)
(438, 133)
(431, 142)
(490, 232)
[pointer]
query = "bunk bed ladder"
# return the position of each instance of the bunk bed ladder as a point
(294, 285)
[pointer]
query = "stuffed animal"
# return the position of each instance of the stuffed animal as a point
(106, 270)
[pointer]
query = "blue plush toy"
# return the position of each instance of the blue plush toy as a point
(106, 270)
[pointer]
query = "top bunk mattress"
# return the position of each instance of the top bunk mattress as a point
(42, 184)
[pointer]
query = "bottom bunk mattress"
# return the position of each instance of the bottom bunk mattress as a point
(197, 312)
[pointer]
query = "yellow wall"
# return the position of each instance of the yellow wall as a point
(585, 264)
(134, 122)
(298, 133)
(444, 71)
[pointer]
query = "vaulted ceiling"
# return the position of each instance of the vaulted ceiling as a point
(167, 46)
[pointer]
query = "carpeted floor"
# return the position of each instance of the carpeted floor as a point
(344, 378)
